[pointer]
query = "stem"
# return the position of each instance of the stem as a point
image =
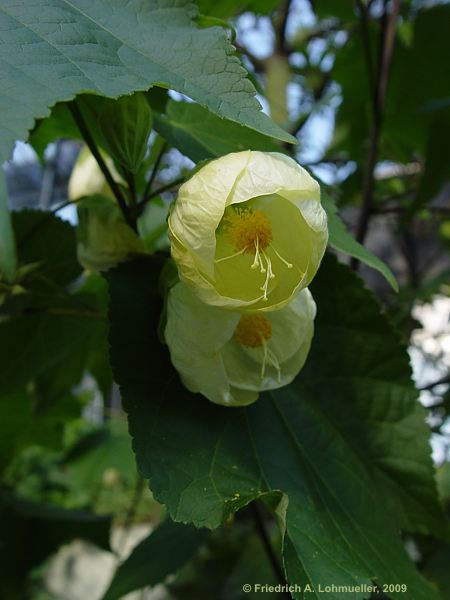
(378, 108)
(166, 187)
(260, 528)
(86, 134)
(131, 511)
(146, 194)
(441, 381)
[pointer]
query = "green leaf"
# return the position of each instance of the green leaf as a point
(135, 45)
(126, 124)
(108, 448)
(45, 239)
(301, 442)
(200, 134)
(38, 342)
(14, 415)
(59, 124)
(437, 169)
(340, 239)
(8, 258)
(161, 554)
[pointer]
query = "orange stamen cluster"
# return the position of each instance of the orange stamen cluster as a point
(253, 331)
(246, 229)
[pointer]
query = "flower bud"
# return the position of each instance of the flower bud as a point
(87, 178)
(248, 231)
(104, 238)
(230, 356)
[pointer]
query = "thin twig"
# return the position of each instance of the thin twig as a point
(131, 512)
(166, 187)
(378, 108)
(154, 172)
(86, 134)
(441, 381)
(260, 528)
(63, 205)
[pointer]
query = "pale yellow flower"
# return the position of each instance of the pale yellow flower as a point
(248, 230)
(230, 356)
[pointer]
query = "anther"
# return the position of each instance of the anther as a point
(288, 264)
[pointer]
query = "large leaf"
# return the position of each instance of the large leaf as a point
(55, 49)
(301, 442)
(161, 554)
(52, 50)
(340, 239)
(200, 134)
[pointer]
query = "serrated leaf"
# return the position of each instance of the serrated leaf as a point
(199, 134)
(45, 58)
(340, 239)
(161, 554)
(205, 462)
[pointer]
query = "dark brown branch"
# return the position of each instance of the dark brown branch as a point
(441, 381)
(378, 108)
(280, 29)
(166, 187)
(148, 187)
(260, 528)
(86, 134)
(259, 64)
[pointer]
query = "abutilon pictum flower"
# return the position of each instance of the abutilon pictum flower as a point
(230, 356)
(248, 231)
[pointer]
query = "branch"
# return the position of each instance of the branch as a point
(259, 64)
(378, 109)
(441, 381)
(260, 528)
(280, 30)
(146, 194)
(86, 134)
(166, 187)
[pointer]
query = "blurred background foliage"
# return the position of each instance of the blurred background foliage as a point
(366, 92)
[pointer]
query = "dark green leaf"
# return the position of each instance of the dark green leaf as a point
(340, 239)
(44, 238)
(437, 165)
(161, 554)
(200, 134)
(14, 415)
(128, 54)
(205, 462)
